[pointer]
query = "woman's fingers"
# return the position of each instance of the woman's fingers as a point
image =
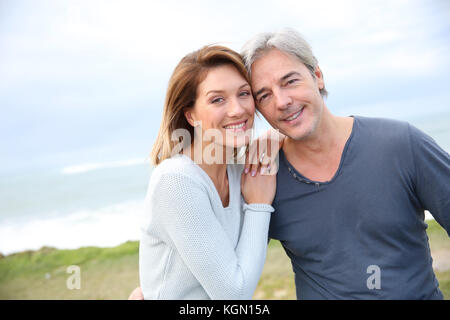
(253, 157)
(262, 153)
(247, 162)
(259, 156)
(250, 159)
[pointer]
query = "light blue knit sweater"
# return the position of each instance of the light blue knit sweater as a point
(191, 246)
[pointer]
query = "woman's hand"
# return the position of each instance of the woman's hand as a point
(262, 153)
(259, 188)
(136, 294)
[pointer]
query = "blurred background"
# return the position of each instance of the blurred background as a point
(82, 84)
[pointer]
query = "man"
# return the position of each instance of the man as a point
(351, 191)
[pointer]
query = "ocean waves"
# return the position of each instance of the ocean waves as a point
(107, 226)
(85, 167)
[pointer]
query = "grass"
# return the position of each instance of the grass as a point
(106, 273)
(112, 273)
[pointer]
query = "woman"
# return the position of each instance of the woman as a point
(202, 239)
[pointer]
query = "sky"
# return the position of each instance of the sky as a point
(84, 81)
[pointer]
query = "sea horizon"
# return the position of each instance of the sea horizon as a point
(98, 203)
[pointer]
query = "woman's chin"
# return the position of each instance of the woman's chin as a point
(239, 142)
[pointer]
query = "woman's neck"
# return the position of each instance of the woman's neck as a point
(215, 168)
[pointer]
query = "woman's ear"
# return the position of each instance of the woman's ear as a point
(188, 116)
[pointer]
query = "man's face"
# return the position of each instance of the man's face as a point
(287, 94)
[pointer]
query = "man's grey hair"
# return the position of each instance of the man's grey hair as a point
(287, 40)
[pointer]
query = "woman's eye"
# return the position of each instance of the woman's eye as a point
(217, 100)
(244, 93)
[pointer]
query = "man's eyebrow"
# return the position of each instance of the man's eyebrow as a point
(221, 91)
(260, 91)
(290, 74)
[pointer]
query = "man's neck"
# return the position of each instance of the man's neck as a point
(318, 156)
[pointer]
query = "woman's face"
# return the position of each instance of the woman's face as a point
(225, 107)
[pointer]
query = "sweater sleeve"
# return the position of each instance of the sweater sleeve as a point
(185, 212)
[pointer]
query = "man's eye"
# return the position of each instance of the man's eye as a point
(263, 97)
(291, 81)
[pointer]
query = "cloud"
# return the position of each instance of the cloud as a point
(86, 64)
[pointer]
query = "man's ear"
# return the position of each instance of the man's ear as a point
(188, 116)
(319, 77)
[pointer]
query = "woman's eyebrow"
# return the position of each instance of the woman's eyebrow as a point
(214, 91)
(221, 91)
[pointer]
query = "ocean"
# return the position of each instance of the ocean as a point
(94, 204)
(97, 204)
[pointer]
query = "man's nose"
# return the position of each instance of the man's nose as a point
(282, 100)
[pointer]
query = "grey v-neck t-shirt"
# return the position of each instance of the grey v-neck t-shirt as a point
(362, 235)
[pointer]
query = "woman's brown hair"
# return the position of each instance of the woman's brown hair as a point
(182, 93)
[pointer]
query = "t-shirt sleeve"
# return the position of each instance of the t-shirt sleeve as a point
(225, 272)
(432, 167)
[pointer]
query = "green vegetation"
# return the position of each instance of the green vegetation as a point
(112, 273)
(106, 273)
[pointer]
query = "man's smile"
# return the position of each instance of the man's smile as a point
(293, 116)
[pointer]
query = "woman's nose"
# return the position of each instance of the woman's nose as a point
(235, 108)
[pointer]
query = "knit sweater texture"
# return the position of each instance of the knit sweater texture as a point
(191, 246)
